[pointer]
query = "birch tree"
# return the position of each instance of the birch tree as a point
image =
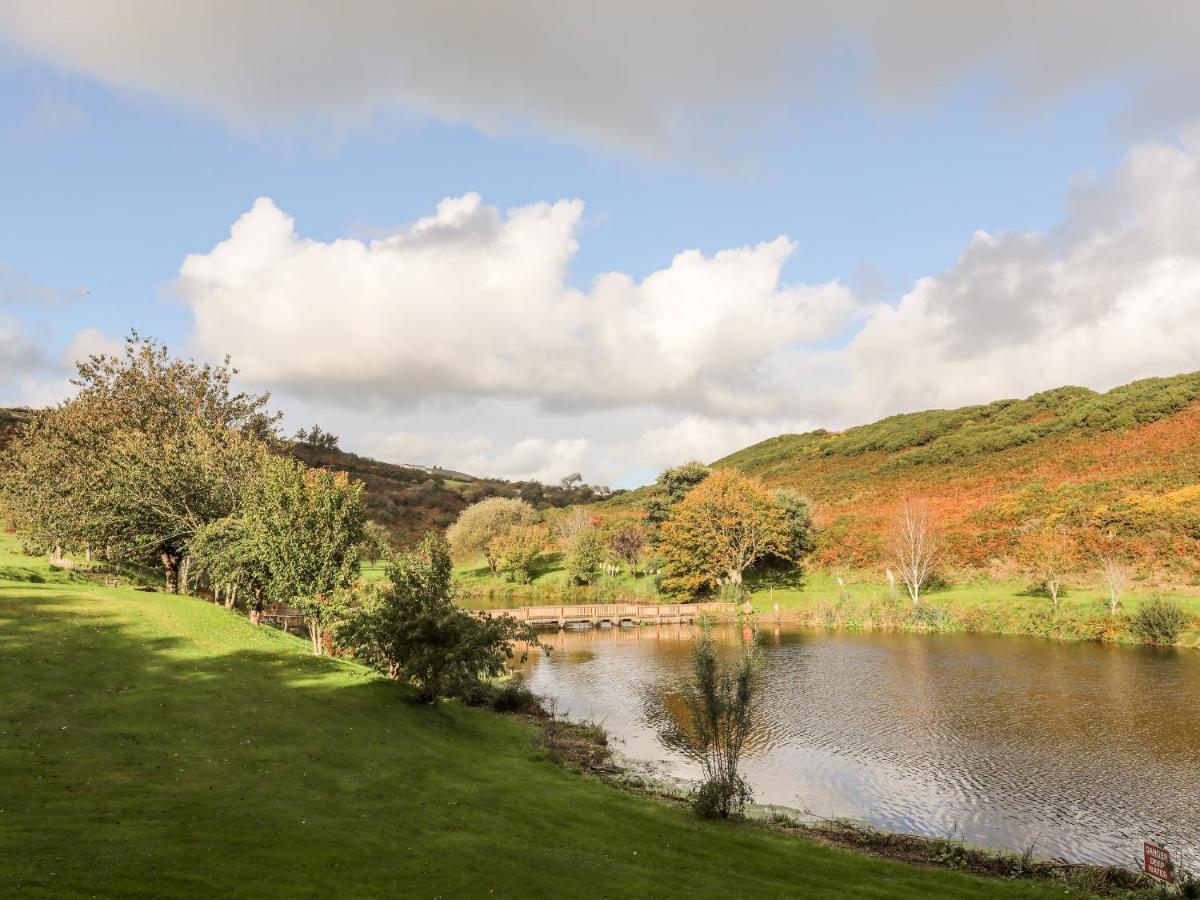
(1047, 555)
(915, 546)
(1112, 570)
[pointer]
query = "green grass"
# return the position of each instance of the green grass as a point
(981, 604)
(153, 745)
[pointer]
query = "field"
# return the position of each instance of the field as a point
(156, 745)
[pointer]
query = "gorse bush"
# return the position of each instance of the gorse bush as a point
(1160, 620)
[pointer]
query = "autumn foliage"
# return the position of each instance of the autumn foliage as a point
(721, 527)
(1114, 473)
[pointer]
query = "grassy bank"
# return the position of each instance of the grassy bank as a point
(154, 745)
(863, 601)
(983, 605)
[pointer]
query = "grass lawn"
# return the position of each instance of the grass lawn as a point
(154, 745)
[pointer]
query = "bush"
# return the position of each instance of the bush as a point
(1160, 620)
(716, 798)
(585, 555)
(720, 702)
(514, 696)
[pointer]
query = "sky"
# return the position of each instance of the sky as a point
(531, 239)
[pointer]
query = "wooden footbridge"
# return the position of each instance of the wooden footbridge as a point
(616, 613)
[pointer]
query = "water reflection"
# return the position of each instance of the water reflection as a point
(1086, 749)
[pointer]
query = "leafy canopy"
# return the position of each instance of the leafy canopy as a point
(722, 527)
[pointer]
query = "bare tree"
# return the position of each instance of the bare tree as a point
(570, 523)
(915, 546)
(1115, 580)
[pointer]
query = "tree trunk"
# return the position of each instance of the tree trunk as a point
(170, 562)
(314, 635)
(185, 571)
(230, 596)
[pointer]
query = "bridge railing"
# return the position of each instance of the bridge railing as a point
(615, 612)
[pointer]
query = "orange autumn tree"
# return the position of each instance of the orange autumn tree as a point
(1047, 555)
(721, 527)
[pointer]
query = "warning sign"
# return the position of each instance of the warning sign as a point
(1158, 863)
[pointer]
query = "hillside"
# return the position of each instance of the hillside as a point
(156, 746)
(1124, 464)
(407, 500)
(410, 500)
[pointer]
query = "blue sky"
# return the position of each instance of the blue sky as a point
(112, 180)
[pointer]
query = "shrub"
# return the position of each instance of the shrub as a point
(410, 628)
(514, 696)
(516, 551)
(585, 555)
(1160, 620)
(720, 702)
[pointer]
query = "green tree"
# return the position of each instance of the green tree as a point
(296, 540)
(308, 524)
(410, 627)
(516, 551)
(801, 533)
(377, 542)
(585, 555)
(479, 524)
(149, 450)
(672, 485)
(722, 527)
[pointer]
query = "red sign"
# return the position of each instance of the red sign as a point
(1158, 863)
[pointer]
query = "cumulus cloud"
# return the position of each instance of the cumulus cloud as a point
(1109, 295)
(471, 302)
(633, 75)
(472, 305)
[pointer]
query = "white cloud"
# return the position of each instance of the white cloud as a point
(20, 361)
(533, 458)
(91, 341)
(706, 439)
(1110, 295)
(469, 302)
(648, 75)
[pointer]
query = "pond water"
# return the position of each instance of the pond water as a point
(1085, 749)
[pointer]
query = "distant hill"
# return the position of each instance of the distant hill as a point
(410, 500)
(406, 499)
(1120, 468)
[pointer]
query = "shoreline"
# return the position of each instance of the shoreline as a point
(588, 752)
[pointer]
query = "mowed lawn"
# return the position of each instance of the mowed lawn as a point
(153, 745)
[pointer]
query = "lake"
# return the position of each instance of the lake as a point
(1085, 749)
